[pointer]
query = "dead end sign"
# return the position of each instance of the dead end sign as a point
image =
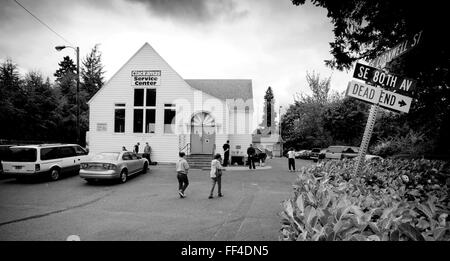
(377, 95)
(364, 92)
(394, 101)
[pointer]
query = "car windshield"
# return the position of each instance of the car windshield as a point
(22, 155)
(109, 156)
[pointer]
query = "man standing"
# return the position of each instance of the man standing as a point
(226, 153)
(251, 157)
(136, 148)
(147, 152)
(291, 159)
(182, 171)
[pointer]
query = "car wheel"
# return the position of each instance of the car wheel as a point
(123, 176)
(54, 174)
(144, 170)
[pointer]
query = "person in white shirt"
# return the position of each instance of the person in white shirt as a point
(182, 171)
(291, 159)
(216, 175)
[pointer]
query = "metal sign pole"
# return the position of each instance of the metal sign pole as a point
(366, 138)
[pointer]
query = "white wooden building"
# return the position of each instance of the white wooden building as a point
(148, 101)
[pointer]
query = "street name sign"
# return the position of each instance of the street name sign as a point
(376, 95)
(394, 101)
(396, 51)
(379, 77)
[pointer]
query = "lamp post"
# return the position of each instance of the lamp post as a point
(279, 128)
(77, 50)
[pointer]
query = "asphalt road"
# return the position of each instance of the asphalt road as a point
(148, 207)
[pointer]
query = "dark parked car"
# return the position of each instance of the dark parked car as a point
(315, 153)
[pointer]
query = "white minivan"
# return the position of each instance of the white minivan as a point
(44, 159)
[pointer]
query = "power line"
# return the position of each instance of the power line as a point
(43, 23)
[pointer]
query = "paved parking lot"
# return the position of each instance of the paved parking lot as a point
(148, 207)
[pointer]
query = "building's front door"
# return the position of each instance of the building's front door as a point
(203, 135)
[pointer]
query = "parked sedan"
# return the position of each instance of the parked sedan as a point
(302, 154)
(113, 165)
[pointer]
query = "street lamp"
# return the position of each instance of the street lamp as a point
(279, 128)
(77, 50)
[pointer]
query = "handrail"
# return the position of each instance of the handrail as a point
(188, 148)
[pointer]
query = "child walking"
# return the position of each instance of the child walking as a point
(291, 159)
(216, 175)
(182, 171)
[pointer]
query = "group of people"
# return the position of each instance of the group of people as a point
(251, 155)
(215, 174)
(147, 150)
(182, 169)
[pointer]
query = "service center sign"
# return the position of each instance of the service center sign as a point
(145, 78)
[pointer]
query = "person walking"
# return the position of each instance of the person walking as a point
(136, 148)
(216, 175)
(226, 153)
(182, 174)
(251, 157)
(291, 159)
(147, 152)
(123, 148)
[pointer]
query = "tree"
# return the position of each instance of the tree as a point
(268, 125)
(92, 72)
(345, 120)
(66, 94)
(319, 87)
(12, 98)
(40, 108)
(364, 29)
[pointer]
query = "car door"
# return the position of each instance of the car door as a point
(80, 156)
(68, 157)
(126, 159)
(135, 162)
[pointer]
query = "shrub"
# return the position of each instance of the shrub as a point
(393, 200)
(413, 143)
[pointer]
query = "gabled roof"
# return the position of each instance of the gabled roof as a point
(224, 89)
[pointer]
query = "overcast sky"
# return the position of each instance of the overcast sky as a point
(273, 43)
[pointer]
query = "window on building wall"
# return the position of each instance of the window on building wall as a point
(144, 110)
(138, 97)
(150, 121)
(138, 120)
(169, 118)
(119, 117)
(150, 98)
(247, 120)
(235, 120)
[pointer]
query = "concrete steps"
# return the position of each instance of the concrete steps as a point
(199, 161)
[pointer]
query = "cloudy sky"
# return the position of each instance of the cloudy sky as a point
(274, 43)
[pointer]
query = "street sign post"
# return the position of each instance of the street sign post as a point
(403, 102)
(379, 77)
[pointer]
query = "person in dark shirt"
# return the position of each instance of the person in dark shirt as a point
(226, 153)
(136, 148)
(251, 157)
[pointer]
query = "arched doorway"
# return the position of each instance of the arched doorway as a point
(203, 133)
